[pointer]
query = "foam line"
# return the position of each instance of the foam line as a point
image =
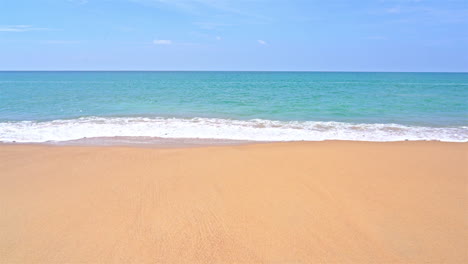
(215, 128)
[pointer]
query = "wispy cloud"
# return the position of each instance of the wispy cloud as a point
(20, 28)
(191, 5)
(201, 7)
(428, 15)
(218, 38)
(162, 42)
(261, 42)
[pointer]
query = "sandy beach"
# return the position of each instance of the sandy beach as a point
(301, 202)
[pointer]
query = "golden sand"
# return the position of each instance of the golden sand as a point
(306, 202)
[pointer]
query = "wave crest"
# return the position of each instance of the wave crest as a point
(215, 128)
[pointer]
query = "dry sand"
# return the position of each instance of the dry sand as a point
(322, 202)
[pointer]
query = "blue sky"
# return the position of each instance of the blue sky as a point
(307, 35)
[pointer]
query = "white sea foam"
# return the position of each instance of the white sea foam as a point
(213, 128)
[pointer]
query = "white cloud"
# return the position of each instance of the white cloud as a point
(162, 42)
(20, 28)
(218, 38)
(261, 42)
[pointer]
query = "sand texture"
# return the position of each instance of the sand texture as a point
(304, 202)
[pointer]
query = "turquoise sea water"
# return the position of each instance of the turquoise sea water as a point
(58, 106)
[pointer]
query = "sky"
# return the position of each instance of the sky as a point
(260, 35)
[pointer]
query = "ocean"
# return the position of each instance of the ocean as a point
(253, 106)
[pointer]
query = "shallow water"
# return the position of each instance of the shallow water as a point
(260, 106)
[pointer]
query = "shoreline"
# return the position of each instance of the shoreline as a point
(332, 201)
(137, 129)
(163, 143)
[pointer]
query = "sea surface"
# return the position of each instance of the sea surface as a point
(258, 106)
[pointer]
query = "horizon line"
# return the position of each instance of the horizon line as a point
(343, 71)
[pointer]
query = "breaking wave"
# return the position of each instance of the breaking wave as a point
(215, 128)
